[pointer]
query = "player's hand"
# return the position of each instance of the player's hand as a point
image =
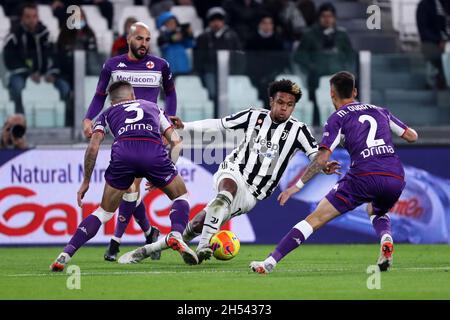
(178, 124)
(286, 194)
(81, 192)
(87, 128)
(149, 186)
(332, 167)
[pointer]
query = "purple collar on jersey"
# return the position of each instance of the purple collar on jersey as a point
(349, 104)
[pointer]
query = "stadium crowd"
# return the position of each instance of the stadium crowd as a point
(308, 30)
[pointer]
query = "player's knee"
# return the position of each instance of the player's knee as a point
(130, 197)
(228, 185)
(197, 222)
(103, 215)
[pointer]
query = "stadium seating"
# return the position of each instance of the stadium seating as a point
(99, 26)
(49, 20)
(187, 14)
(404, 19)
(242, 94)
(323, 99)
(350, 10)
(5, 25)
(446, 66)
(42, 104)
(90, 86)
(192, 99)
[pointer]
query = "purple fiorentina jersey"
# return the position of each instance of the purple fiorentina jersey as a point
(145, 75)
(133, 119)
(366, 130)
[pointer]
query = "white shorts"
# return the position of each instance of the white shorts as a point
(244, 201)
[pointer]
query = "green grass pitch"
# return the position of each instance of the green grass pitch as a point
(310, 272)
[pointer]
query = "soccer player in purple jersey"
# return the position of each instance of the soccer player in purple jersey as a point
(146, 73)
(137, 151)
(375, 177)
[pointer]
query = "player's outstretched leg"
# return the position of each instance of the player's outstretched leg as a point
(89, 227)
(194, 227)
(179, 216)
(382, 226)
(215, 212)
(296, 236)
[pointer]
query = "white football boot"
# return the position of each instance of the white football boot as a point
(386, 250)
(175, 241)
(134, 256)
(262, 267)
(60, 262)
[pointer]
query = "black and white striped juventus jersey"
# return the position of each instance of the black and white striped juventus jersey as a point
(264, 153)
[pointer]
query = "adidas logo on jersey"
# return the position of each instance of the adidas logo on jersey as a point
(121, 65)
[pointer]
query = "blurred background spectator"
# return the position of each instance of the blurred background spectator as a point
(120, 45)
(174, 38)
(433, 22)
(13, 133)
(68, 41)
(157, 7)
(265, 48)
(308, 10)
(243, 16)
(218, 36)
(28, 53)
(290, 19)
(325, 48)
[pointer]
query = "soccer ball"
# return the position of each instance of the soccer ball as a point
(225, 245)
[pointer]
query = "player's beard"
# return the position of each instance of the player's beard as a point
(136, 53)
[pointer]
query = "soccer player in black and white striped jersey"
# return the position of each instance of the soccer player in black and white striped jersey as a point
(253, 170)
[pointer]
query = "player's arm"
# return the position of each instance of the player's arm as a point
(330, 139)
(235, 121)
(207, 125)
(169, 90)
(90, 157)
(175, 143)
(401, 129)
(98, 101)
(168, 131)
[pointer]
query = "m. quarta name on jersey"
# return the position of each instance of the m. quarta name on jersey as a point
(65, 174)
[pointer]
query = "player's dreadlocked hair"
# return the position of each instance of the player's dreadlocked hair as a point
(287, 86)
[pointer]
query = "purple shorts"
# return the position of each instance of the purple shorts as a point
(352, 191)
(139, 158)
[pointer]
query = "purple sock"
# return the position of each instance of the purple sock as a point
(87, 229)
(126, 210)
(141, 217)
(179, 215)
(382, 225)
(290, 241)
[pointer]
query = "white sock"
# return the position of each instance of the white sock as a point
(384, 236)
(156, 246)
(214, 216)
(270, 260)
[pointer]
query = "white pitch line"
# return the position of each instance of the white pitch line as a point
(217, 271)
